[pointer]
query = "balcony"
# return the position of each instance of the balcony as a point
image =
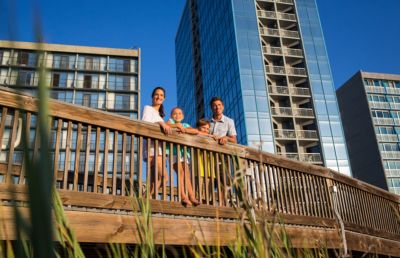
(280, 90)
(394, 105)
(290, 34)
(379, 105)
(285, 134)
(292, 52)
(392, 90)
(299, 91)
(269, 32)
(383, 121)
(374, 89)
(296, 71)
(303, 112)
(286, 16)
(390, 154)
(275, 69)
(387, 137)
(281, 111)
(392, 172)
(284, 1)
(306, 157)
(307, 134)
(266, 14)
(273, 50)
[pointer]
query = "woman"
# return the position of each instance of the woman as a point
(155, 114)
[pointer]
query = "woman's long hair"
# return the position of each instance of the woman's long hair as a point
(161, 110)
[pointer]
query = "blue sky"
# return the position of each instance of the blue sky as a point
(359, 34)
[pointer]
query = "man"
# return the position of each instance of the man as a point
(221, 126)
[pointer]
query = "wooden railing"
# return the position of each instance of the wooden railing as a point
(105, 154)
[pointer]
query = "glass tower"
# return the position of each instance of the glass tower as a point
(268, 62)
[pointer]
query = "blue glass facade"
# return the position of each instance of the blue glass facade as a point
(228, 57)
(323, 91)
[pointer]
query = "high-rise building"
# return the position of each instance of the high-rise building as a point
(102, 78)
(267, 60)
(370, 109)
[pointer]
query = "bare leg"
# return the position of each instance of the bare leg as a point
(160, 172)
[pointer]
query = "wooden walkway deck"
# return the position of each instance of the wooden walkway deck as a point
(316, 204)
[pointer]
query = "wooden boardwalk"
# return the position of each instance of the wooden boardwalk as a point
(99, 168)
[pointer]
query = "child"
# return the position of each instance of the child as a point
(179, 164)
(203, 126)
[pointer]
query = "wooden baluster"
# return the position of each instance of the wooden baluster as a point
(324, 192)
(219, 193)
(186, 174)
(192, 171)
(364, 208)
(87, 158)
(200, 188)
(25, 142)
(289, 182)
(225, 186)
(148, 169)
(177, 171)
(105, 169)
(281, 190)
(123, 185)
(316, 198)
(230, 182)
(156, 172)
(352, 207)
(213, 174)
(257, 184)
(2, 126)
(322, 201)
(277, 189)
(67, 154)
(343, 203)
(270, 193)
(56, 145)
(263, 186)
(11, 152)
(77, 156)
(164, 166)
(171, 173)
(296, 194)
(115, 161)
(208, 171)
(300, 193)
(96, 161)
(132, 166)
(306, 194)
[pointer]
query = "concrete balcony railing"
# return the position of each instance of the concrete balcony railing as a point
(383, 121)
(281, 111)
(375, 89)
(303, 112)
(393, 90)
(394, 105)
(379, 105)
(307, 134)
(266, 14)
(390, 154)
(269, 32)
(286, 16)
(290, 34)
(299, 91)
(292, 52)
(296, 71)
(387, 137)
(392, 172)
(275, 69)
(285, 134)
(282, 90)
(273, 50)
(278, 1)
(307, 157)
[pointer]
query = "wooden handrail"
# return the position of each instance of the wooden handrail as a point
(104, 153)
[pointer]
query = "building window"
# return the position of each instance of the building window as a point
(27, 59)
(87, 81)
(120, 65)
(63, 61)
(1, 57)
(25, 78)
